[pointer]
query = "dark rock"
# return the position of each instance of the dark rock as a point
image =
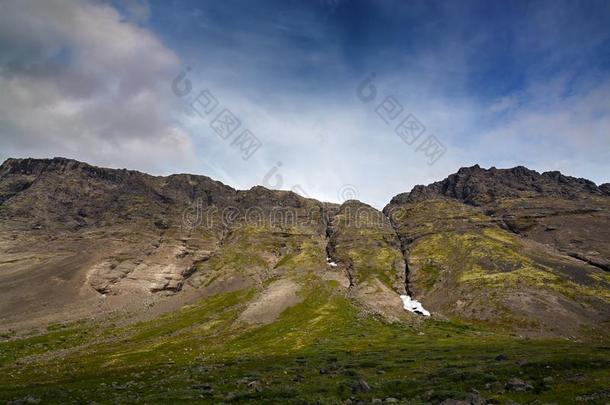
(360, 386)
(477, 186)
(518, 385)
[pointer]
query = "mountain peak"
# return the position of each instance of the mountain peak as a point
(477, 186)
(35, 166)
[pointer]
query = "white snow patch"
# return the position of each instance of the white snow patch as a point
(413, 305)
(330, 262)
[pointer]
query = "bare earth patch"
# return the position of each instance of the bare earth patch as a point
(267, 306)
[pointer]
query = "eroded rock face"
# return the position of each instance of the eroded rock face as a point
(513, 244)
(165, 269)
(509, 245)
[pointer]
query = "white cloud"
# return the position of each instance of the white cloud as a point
(77, 79)
(559, 127)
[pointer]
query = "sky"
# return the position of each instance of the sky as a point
(333, 99)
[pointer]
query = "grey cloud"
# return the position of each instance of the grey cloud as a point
(77, 79)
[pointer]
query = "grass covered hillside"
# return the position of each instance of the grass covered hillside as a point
(319, 350)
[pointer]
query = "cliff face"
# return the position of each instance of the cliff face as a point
(512, 247)
(570, 214)
(477, 186)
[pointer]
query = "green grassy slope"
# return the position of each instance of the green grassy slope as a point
(321, 349)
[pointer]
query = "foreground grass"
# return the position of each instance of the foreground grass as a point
(320, 350)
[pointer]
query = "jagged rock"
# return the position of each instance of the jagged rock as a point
(478, 186)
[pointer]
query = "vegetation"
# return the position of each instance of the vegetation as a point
(492, 258)
(321, 350)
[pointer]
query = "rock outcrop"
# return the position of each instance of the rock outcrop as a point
(570, 214)
(513, 247)
(477, 186)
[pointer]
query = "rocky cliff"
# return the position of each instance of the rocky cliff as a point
(511, 248)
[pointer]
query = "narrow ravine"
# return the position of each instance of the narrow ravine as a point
(408, 303)
(330, 251)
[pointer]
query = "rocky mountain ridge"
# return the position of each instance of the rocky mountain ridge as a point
(566, 212)
(477, 186)
(514, 245)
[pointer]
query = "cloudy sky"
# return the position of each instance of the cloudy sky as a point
(332, 98)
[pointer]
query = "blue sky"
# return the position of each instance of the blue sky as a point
(498, 83)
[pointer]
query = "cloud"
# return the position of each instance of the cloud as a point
(558, 127)
(90, 81)
(78, 79)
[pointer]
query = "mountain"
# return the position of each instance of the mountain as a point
(510, 246)
(568, 213)
(131, 274)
